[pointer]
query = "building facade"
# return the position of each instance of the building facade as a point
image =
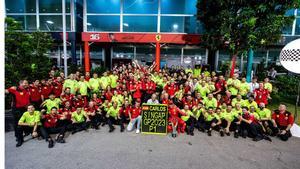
(116, 31)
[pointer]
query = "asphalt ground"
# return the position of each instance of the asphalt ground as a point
(100, 149)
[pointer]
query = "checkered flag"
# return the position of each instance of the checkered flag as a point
(291, 55)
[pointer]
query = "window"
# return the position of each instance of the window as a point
(172, 24)
(290, 12)
(103, 6)
(178, 7)
(141, 6)
(28, 22)
(297, 29)
(20, 6)
(287, 30)
(53, 22)
(140, 24)
(53, 6)
(123, 52)
(103, 23)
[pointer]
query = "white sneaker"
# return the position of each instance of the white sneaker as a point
(137, 131)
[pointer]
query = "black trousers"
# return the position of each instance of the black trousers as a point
(190, 123)
(200, 122)
(283, 137)
(111, 121)
(53, 130)
(95, 120)
(253, 129)
(80, 126)
(17, 114)
(27, 130)
(124, 120)
(207, 125)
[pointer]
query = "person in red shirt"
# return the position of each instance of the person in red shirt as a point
(93, 112)
(46, 89)
(124, 114)
(282, 121)
(220, 86)
(108, 93)
(188, 100)
(87, 76)
(251, 127)
(136, 89)
(50, 126)
(165, 99)
(171, 88)
(187, 87)
(67, 112)
(21, 99)
(261, 95)
(57, 86)
(79, 101)
(35, 94)
(135, 117)
(67, 96)
(175, 120)
(97, 100)
(149, 87)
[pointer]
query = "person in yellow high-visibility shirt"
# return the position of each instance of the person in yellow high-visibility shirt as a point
(113, 79)
(236, 100)
(94, 83)
(202, 89)
(197, 71)
(104, 81)
(268, 85)
(249, 102)
(210, 101)
(71, 83)
(233, 85)
(265, 117)
(83, 87)
(244, 88)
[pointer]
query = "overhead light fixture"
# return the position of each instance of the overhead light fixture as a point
(175, 26)
(126, 24)
(50, 22)
(88, 24)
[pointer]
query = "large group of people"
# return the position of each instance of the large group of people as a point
(196, 99)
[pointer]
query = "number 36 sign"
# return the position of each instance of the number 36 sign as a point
(154, 119)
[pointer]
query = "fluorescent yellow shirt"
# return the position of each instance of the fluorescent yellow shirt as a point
(94, 84)
(83, 87)
(235, 101)
(244, 89)
(246, 103)
(268, 86)
(104, 81)
(72, 84)
(113, 81)
(210, 103)
(31, 118)
(233, 86)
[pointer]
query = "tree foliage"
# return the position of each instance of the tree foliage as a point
(25, 54)
(239, 25)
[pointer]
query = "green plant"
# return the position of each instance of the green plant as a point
(285, 88)
(99, 70)
(240, 25)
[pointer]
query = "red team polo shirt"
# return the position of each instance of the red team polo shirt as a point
(22, 97)
(35, 94)
(135, 112)
(283, 119)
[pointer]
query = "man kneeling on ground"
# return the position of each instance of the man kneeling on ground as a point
(30, 123)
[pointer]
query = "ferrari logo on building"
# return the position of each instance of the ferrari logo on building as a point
(158, 37)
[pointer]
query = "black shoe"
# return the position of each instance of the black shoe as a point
(173, 135)
(222, 133)
(73, 132)
(19, 143)
(103, 124)
(209, 133)
(257, 138)
(267, 138)
(228, 134)
(51, 144)
(122, 130)
(236, 135)
(244, 134)
(111, 129)
(97, 128)
(192, 133)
